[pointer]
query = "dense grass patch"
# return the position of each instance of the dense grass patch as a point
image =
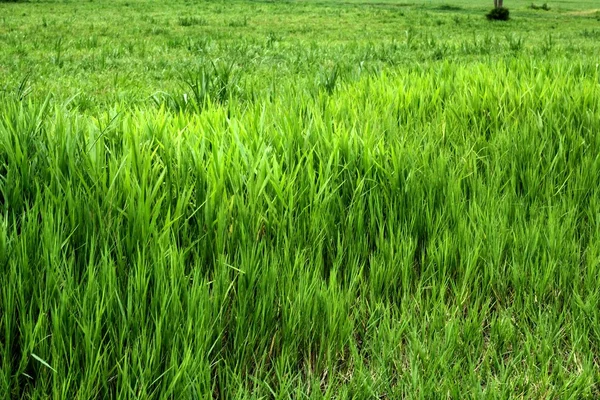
(303, 243)
(498, 14)
(292, 218)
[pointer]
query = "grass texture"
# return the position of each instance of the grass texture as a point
(285, 216)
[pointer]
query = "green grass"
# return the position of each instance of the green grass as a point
(299, 200)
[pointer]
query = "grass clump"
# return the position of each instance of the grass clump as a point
(238, 22)
(191, 21)
(213, 82)
(498, 14)
(449, 7)
(543, 7)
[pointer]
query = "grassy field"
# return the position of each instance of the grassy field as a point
(299, 199)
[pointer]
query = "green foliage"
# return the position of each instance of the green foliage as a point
(449, 7)
(238, 22)
(212, 82)
(332, 201)
(191, 21)
(515, 43)
(591, 33)
(498, 14)
(328, 79)
(543, 7)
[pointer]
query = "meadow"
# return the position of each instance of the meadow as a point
(299, 199)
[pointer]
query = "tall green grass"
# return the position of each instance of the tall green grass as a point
(419, 232)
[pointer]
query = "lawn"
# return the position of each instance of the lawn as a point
(299, 199)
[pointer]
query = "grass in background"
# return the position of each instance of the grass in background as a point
(269, 201)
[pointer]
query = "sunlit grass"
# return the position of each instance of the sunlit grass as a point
(402, 219)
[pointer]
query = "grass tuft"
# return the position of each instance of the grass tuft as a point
(498, 14)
